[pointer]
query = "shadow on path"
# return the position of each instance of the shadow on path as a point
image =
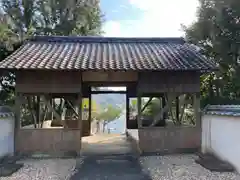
(121, 167)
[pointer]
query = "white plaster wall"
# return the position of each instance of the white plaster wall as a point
(221, 135)
(6, 136)
(206, 126)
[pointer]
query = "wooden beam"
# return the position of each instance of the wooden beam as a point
(90, 109)
(177, 110)
(108, 92)
(197, 110)
(17, 122)
(163, 105)
(108, 84)
(127, 110)
(79, 102)
(139, 105)
(145, 105)
(90, 113)
(46, 100)
(38, 112)
(17, 110)
(52, 104)
(160, 115)
(152, 94)
(75, 110)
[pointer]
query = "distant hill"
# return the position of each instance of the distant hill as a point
(113, 99)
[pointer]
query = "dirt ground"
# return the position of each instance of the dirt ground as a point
(106, 144)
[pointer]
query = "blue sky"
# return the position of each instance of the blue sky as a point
(147, 18)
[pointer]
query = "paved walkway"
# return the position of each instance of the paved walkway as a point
(107, 157)
(105, 144)
(109, 168)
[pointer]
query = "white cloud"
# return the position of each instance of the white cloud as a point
(161, 18)
(112, 28)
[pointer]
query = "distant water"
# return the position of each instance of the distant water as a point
(118, 126)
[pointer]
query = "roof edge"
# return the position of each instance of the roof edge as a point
(100, 39)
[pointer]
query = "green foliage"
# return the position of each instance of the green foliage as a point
(153, 108)
(110, 113)
(21, 19)
(217, 33)
(52, 17)
(94, 108)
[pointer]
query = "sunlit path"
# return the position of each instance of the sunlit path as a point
(105, 144)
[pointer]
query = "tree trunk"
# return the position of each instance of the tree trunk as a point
(104, 125)
(30, 101)
(98, 127)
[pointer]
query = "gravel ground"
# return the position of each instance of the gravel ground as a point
(45, 169)
(180, 167)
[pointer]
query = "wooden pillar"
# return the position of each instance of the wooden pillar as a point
(197, 110)
(79, 102)
(139, 106)
(38, 112)
(163, 105)
(90, 108)
(127, 110)
(17, 122)
(90, 114)
(177, 109)
(52, 104)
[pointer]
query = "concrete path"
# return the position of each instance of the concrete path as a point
(109, 168)
(105, 144)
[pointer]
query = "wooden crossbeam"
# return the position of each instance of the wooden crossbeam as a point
(164, 110)
(72, 108)
(46, 101)
(145, 106)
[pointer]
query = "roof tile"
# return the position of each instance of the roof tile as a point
(101, 53)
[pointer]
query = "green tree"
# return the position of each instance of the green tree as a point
(24, 18)
(53, 17)
(153, 108)
(94, 108)
(109, 114)
(217, 33)
(7, 46)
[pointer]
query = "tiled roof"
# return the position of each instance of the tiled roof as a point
(223, 110)
(93, 53)
(6, 112)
